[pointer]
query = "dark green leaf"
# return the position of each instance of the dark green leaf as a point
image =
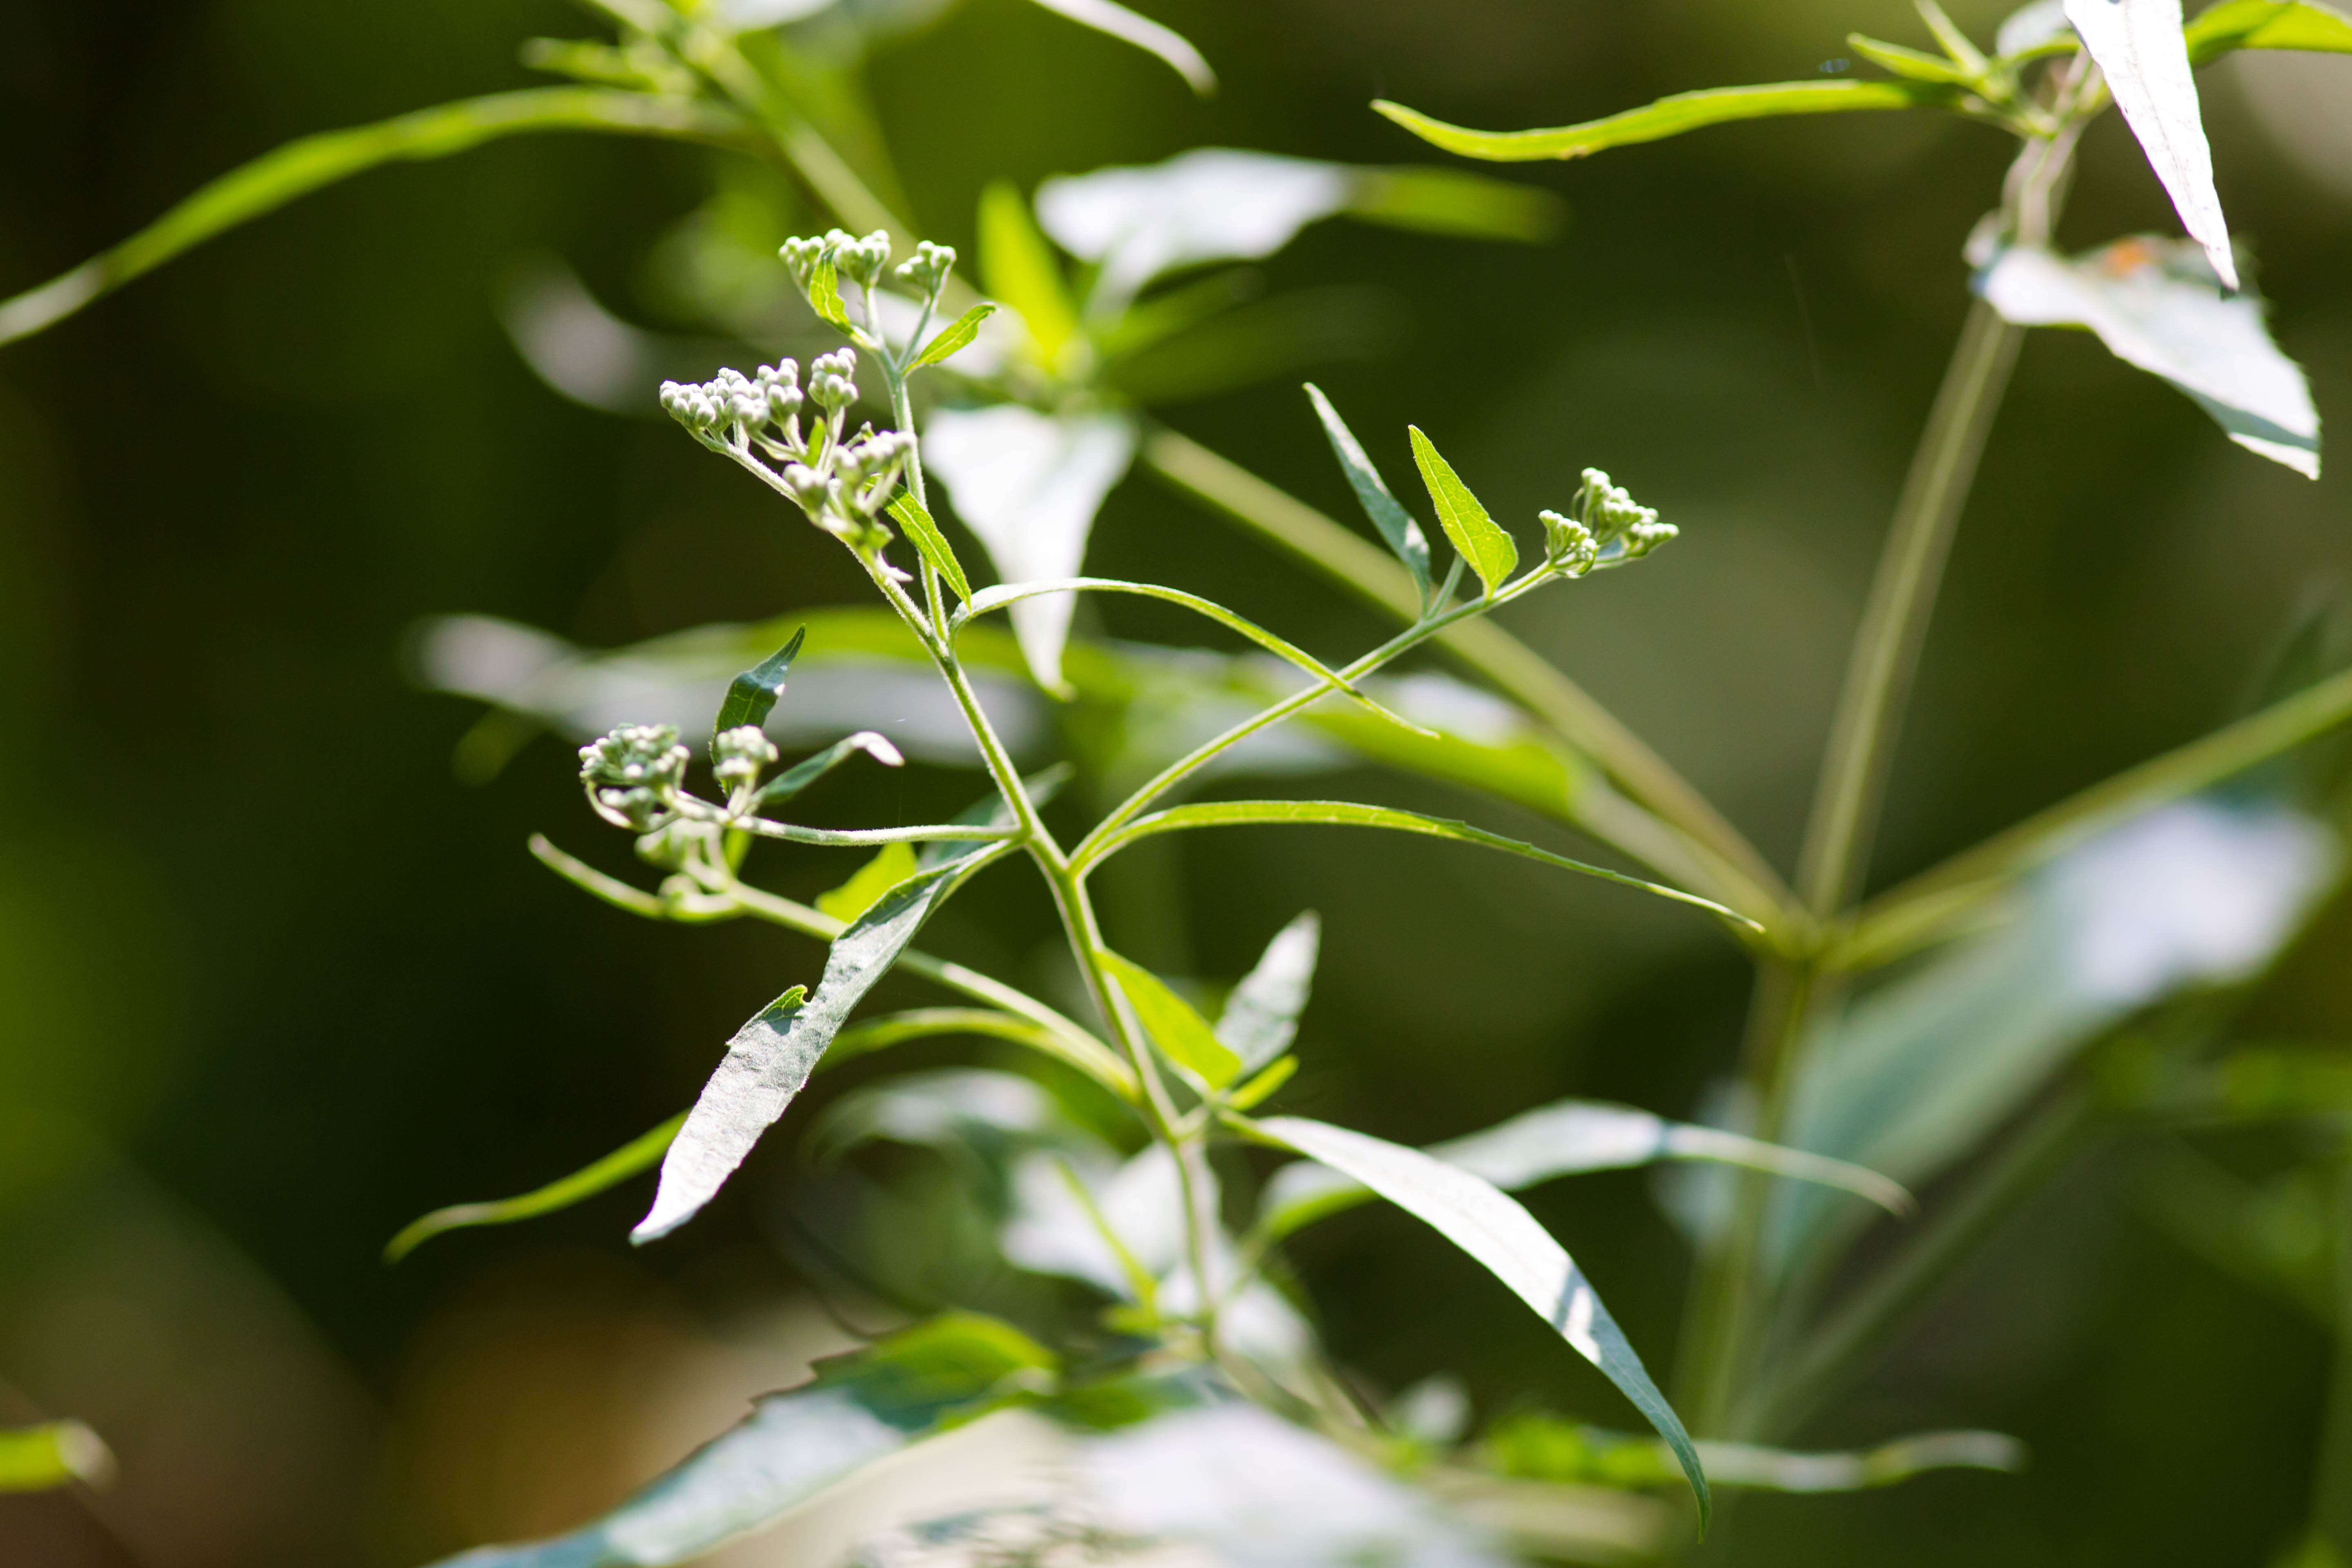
(2268, 25)
(1495, 1230)
(1262, 1014)
(1668, 117)
(640, 1153)
(1387, 514)
(751, 696)
(954, 336)
(42, 1458)
(860, 1409)
(1180, 1031)
(930, 543)
(1486, 546)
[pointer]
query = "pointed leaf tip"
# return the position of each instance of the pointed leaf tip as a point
(1483, 543)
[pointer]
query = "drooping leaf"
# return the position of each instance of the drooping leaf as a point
(1028, 485)
(1106, 16)
(1668, 117)
(2140, 49)
(770, 1058)
(1504, 1238)
(955, 335)
(1349, 813)
(1396, 525)
(2157, 305)
(1018, 269)
(1261, 1016)
(893, 866)
(751, 696)
(1537, 1446)
(56, 1453)
(860, 1409)
(808, 770)
(1563, 1139)
(1174, 1024)
(640, 1153)
(2268, 25)
(1489, 550)
(310, 163)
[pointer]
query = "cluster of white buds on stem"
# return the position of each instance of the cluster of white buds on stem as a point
(635, 776)
(1608, 529)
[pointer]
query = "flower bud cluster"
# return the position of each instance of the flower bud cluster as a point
(738, 755)
(859, 260)
(1614, 518)
(1568, 546)
(927, 269)
(633, 776)
(732, 406)
(832, 379)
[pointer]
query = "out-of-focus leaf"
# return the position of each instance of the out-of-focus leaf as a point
(1454, 201)
(1018, 269)
(1262, 1087)
(1562, 1138)
(2280, 1235)
(301, 166)
(1212, 203)
(2140, 49)
(1179, 1030)
(1261, 1016)
(1489, 550)
(1668, 117)
(955, 335)
(1282, 336)
(2037, 25)
(860, 1409)
(2268, 25)
(751, 696)
(57, 1453)
(1543, 1447)
(824, 295)
(2155, 305)
(641, 1152)
(893, 866)
(943, 1108)
(1504, 1238)
(1396, 525)
(1911, 64)
(1148, 323)
(592, 356)
(930, 543)
(770, 1058)
(808, 770)
(1054, 1230)
(1028, 485)
(1349, 813)
(1105, 17)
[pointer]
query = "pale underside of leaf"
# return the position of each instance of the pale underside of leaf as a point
(1118, 22)
(1261, 1016)
(2140, 49)
(1667, 117)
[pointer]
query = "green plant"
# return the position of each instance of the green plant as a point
(1048, 410)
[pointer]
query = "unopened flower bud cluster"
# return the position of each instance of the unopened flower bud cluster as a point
(738, 756)
(634, 775)
(1607, 527)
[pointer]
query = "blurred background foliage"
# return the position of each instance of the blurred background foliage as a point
(276, 981)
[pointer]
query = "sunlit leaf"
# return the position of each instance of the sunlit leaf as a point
(57, 1453)
(2268, 25)
(1454, 201)
(1544, 1447)
(808, 770)
(1495, 1230)
(893, 866)
(1489, 550)
(955, 335)
(1265, 1086)
(1018, 269)
(860, 1409)
(824, 295)
(641, 1152)
(1668, 117)
(1174, 1024)
(2036, 25)
(1396, 525)
(301, 166)
(1911, 64)
(2140, 49)
(1261, 1016)
(943, 1107)
(2155, 305)
(751, 696)
(1105, 17)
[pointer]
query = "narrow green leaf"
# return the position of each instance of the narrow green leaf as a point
(1262, 1087)
(955, 335)
(1667, 117)
(1018, 268)
(1911, 64)
(893, 866)
(930, 543)
(1486, 547)
(2268, 25)
(1536, 1446)
(1349, 813)
(860, 1409)
(2142, 53)
(1179, 1030)
(824, 295)
(1118, 22)
(42, 1458)
(1504, 1238)
(640, 1153)
(1396, 525)
(1457, 202)
(1261, 1017)
(808, 770)
(751, 696)
(1567, 1138)
(307, 165)
(1956, 44)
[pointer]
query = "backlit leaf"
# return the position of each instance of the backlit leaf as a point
(955, 335)
(2268, 25)
(808, 770)
(751, 696)
(893, 866)
(1018, 269)
(61, 1453)
(1179, 1028)
(1489, 550)
(1261, 1016)
(1396, 525)
(1668, 117)
(2140, 49)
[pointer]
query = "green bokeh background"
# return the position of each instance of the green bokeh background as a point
(273, 981)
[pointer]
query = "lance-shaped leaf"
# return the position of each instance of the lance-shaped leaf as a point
(860, 1409)
(639, 1153)
(1485, 545)
(957, 334)
(1537, 1447)
(893, 866)
(59, 1453)
(2268, 25)
(1106, 16)
(1261, 1016)
(751, 696)
(1669, 116)
(1179, 1028)
(1396, 525)
(770, 1058)
(2139, 47)
(301, 166)
(808, 770)
(1028, 485)
(1018, 268)
(1563, 1139)
(930, 543)
(2155, 305)
(1494, 1229)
